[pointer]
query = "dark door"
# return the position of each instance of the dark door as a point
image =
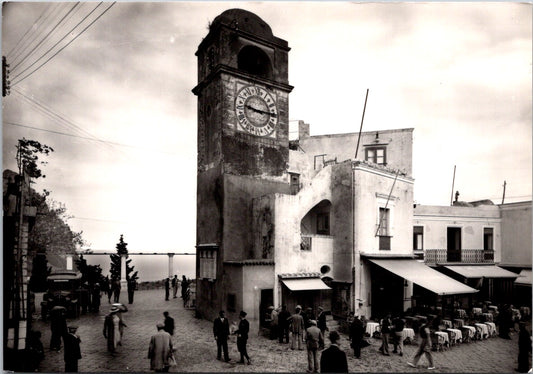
(267, 299)
(454, 244)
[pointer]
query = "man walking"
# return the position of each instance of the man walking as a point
(333, 359)
(58, 327)
(283, 324)
(313, 341)
(424, 347)
(169, 323)
(242, 337)
(221, 332)
(72, 350)
(160, 350)
(297, 329)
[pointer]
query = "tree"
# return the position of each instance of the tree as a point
(90, 274)
(116, 265)
(28, 152)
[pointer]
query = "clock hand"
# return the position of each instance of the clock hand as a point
(260, 111)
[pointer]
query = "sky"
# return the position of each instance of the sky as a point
(116, 104)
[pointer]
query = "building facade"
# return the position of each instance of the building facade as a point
(477, 243)
(316, 221)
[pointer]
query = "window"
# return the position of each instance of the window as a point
(208, 263)
(418, 238)
(376, 155)
(295, 183)
(322, 223)
(384, 217)
(488, 239)
(383, 229)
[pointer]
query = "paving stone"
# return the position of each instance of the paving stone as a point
(196, 347)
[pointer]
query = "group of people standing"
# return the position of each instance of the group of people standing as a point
(112, 288)
(174, 283)
(221, 331)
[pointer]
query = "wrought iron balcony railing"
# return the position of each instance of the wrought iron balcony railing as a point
(469, 256)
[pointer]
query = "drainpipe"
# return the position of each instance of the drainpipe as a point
(353, 242)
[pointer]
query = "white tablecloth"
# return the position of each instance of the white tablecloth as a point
(458, 335)
(408, 333)
(461, 313)
(488, 316)
(477, 310)
(471, 331)
(447, 323)
(371, 327)
(442, 337)
(491, 327)
(484, 330)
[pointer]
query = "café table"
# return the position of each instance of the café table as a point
(442, 337)
(488, 317)
(470, 330)
(423, 319)
(491, 326)
(371, 327)
(408, 333)
(493, 308)
(447, 323)
(458, 322)
(461, 313)
(456, 336)
(477, 311)
(484, 330)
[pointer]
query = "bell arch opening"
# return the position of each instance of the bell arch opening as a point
(254, 60)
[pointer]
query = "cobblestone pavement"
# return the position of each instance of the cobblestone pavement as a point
(196, 348)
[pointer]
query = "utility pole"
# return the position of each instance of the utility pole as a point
(503, 197)
(6, 83)
(453, 182)
(361, 127)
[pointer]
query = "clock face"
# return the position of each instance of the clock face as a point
(256, 111)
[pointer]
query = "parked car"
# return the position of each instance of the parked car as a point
(63, 290)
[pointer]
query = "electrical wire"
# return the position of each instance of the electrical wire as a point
(55, 45)
(42, 41)
(33, 27)
(83, 137)
(55, 54)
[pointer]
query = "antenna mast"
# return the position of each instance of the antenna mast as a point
(453, 182)
(361, 128)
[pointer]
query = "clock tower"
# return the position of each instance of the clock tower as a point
(243, 150)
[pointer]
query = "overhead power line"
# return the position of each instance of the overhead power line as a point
(33, 27)
(70, 42)
(16, 65)
(83, 137)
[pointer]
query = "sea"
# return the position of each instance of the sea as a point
(151, 267)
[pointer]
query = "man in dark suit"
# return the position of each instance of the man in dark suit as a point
(333, 359)
(169, 323)
(283, 324)
(242, 337)
(72, 350)
(221, 332)
(321, 323)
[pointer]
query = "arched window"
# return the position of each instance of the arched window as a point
(255, 61)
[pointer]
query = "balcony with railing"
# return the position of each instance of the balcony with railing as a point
(464, 256)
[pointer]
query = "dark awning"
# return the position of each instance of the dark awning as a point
(482, 271)
(424, 276)
(303, 284)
